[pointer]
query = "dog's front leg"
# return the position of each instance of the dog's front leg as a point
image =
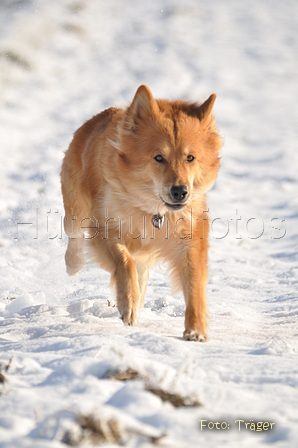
(194, 277)
(125, 278)
(127, 287)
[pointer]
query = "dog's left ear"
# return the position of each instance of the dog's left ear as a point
(204, 112)
(143, 105)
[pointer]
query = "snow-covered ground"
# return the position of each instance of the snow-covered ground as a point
(61, 63)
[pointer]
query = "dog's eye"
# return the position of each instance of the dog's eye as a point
(190, 158)
(159, 158)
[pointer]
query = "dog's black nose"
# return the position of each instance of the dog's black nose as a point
(178, 193)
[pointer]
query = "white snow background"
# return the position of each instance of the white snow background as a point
(62, 62)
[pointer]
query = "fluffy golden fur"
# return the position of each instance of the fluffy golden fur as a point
(157, 158)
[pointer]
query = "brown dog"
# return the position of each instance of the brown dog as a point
(129, 172)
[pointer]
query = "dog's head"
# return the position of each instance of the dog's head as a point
(168, 151)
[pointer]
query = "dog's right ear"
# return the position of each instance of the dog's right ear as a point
(143, 107)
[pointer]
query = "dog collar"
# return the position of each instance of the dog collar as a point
(157, 221)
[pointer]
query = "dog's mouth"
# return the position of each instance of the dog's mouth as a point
(175, 207)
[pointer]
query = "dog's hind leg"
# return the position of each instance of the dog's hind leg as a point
(74, 258)
(76, 211)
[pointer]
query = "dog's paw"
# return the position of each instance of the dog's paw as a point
(129, 316)
(195, 335)
(74, 263)
(73, 269)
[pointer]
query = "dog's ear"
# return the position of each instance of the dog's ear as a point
(143, 107)
(204, 111)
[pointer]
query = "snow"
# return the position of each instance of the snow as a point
(61, 63)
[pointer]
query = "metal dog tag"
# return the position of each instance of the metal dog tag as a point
(157, 221)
